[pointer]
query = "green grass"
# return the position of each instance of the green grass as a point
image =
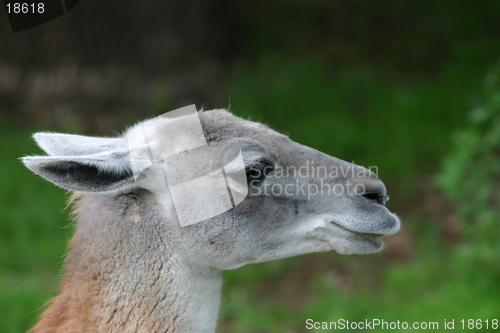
(32, 235)
(352, 113)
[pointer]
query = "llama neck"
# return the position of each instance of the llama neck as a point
(172, 299)
(131, 280)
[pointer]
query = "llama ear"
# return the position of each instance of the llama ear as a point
(103, 172)
(57, 144)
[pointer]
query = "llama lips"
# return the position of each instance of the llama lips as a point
(375, 239)
(364, 234)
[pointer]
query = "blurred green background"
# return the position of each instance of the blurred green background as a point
(412, 87)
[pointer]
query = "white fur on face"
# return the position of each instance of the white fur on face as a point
(346, 223)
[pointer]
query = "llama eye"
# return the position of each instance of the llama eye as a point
(253, 173)
(258, 172)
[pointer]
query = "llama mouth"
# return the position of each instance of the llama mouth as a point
(369, 235)
(368, 242)
(375, 239)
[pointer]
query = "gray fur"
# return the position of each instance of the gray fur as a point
(145, 273)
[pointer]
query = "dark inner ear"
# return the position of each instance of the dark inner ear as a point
(85, 177)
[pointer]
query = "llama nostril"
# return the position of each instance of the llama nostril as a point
(378, 198)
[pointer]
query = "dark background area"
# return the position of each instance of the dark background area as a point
(106, 59)
(408, 86)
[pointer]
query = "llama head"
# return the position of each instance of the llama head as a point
(285, 199)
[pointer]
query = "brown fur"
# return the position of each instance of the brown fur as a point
(92, 298)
